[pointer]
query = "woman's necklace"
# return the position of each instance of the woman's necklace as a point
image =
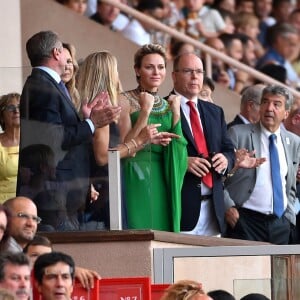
(159, 105)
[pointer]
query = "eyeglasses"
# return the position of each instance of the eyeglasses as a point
(187, 71)
(11, 108)
(28, 217)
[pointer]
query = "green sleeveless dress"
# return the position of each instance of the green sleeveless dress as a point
(154, 176)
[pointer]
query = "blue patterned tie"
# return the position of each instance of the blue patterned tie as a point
(278, 208)
(64, 89)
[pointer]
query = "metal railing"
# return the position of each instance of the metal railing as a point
(209, 52)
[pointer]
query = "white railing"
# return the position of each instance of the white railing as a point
(209, 52)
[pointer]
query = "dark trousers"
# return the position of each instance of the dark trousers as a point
(255, 226)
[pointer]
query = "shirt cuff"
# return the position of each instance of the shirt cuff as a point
(92, 127)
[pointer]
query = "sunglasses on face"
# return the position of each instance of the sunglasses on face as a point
(11, 108)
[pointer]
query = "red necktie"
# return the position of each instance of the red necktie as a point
(199, 139)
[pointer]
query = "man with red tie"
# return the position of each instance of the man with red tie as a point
(210, 151)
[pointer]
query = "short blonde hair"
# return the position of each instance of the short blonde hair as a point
(99, 73)
(183, 290)
(243, 19)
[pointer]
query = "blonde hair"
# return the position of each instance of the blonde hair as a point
(183, 290)
(71, 85)
(243, 19)
(98, 73)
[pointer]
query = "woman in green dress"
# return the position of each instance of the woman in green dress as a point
(154, 175)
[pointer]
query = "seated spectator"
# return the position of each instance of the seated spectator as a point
(110, 16)
(51, 269)
(207, 89)
(201, 22)
(283, 40)
(275, 71)
(246, 6)
(9, 144)
(79, 6)
(220, 295)
(41, 245)
(219, 73)
(262, 9)
(185, 290)
(249, 107)
(248, 24)
(227, 5)
(234, 49)
(178, 47)
(141, 32)
(37, 246)
(281, 10)
(12, 266)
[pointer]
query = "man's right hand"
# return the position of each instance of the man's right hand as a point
(232, 216)
(198, 166)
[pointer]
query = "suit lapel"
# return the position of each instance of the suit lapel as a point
(206, 124)
(286, 145)
(186, 129)
(255, 137)
(66, 100)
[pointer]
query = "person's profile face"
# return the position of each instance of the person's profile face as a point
(108, 13)
(69, 69)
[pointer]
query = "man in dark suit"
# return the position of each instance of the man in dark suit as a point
(249, 107)
(203, 208)
(49, 118)
(253, 196)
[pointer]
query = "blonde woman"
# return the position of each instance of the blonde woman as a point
(98, 73)
(153, 178)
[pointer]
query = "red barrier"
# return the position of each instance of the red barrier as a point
(134, 288)
(79, 292)
(157, 290)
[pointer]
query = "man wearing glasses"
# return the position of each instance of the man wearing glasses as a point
(22, 224)
(210, 151)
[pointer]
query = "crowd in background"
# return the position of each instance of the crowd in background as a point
(53, 148)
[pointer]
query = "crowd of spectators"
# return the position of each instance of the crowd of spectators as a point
(259, 25)
(60, 174)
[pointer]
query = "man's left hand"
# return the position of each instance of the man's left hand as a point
(219, 162)
(86, 277)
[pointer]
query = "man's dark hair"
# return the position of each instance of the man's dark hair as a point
(50, 259)
(220, 295)
(255, 296)
(38, 240)
(16, 259)
(279, 29)
(40, 46)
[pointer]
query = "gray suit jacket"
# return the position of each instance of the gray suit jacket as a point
(240, 186)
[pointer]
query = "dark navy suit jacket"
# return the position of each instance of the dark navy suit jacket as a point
(48, 117)
(215, 131)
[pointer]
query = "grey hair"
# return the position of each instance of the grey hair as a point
(252, 93)
(40, 46)
(280, 90)
(16, 259)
